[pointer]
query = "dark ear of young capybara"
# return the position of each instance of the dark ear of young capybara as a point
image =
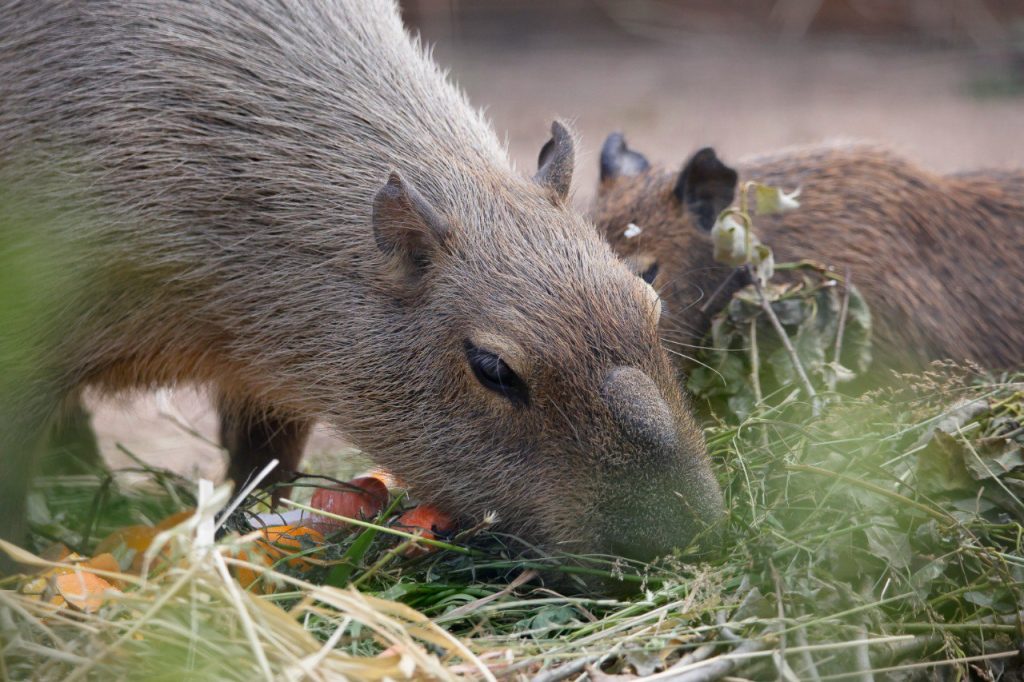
(938, 258)
(288, 202)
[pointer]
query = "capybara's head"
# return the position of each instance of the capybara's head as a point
(659, 222)
(525, 375)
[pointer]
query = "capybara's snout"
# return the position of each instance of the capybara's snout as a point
(658, 493)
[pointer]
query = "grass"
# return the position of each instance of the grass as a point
(881, 539)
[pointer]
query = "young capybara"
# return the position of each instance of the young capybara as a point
(288, 202)
(938, 258)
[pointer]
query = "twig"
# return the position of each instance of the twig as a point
(574, 668)
(717, 668)
(684, 669)
(766, 306)
(718, 290)
(929, 664)
(695, 656)
(914, 648)
(863, 657)
(755, 363)
(779, 656)
(810, 670)
(567, 670)
(843, 309)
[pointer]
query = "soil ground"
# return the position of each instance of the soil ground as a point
(669, 98)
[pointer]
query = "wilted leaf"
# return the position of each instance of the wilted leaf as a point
(940, 465)
(791, 311)
(984, 599)
(808, 307)
(835, 373)
(955, 419)
(741, 404)
(994, 461)
(889, 543)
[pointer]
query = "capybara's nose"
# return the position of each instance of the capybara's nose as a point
(659, 493)
(642, 415)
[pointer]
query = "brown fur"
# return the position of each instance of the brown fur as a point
(217, 165)
(940, 259)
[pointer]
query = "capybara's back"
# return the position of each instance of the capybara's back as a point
(286, 201)
(939, 258)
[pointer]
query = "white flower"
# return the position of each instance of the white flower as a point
(787, 202)
(632, 230)
(771, 200)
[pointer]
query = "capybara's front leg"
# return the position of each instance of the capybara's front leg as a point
(254, 435)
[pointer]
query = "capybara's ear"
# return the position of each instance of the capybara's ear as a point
(706, 187)
(406, 227)
(619, 160)
(557, 156)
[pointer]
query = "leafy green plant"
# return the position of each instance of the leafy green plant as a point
(810, 329)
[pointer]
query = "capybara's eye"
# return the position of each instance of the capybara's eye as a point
(494, 374)
(650, 273)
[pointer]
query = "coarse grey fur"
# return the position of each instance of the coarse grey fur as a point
(211, 179)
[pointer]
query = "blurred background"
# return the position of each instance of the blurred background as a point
(941, 81)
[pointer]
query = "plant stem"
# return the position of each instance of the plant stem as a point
(766, 306)
(718, 290)
(755, 363)
(843, 309)
(383, 529)
(382, 562)
(863, 656)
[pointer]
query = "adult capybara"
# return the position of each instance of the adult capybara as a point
(288, 202)
(939, 258)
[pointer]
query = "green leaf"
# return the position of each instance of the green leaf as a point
(551, 617)
(923, 578)
(728, 377)
(940, 465)
(856, 351)
(742, 404)
(984, 599)
(889, 543)
(340, 574)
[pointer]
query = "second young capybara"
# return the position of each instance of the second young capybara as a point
(938, 258)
